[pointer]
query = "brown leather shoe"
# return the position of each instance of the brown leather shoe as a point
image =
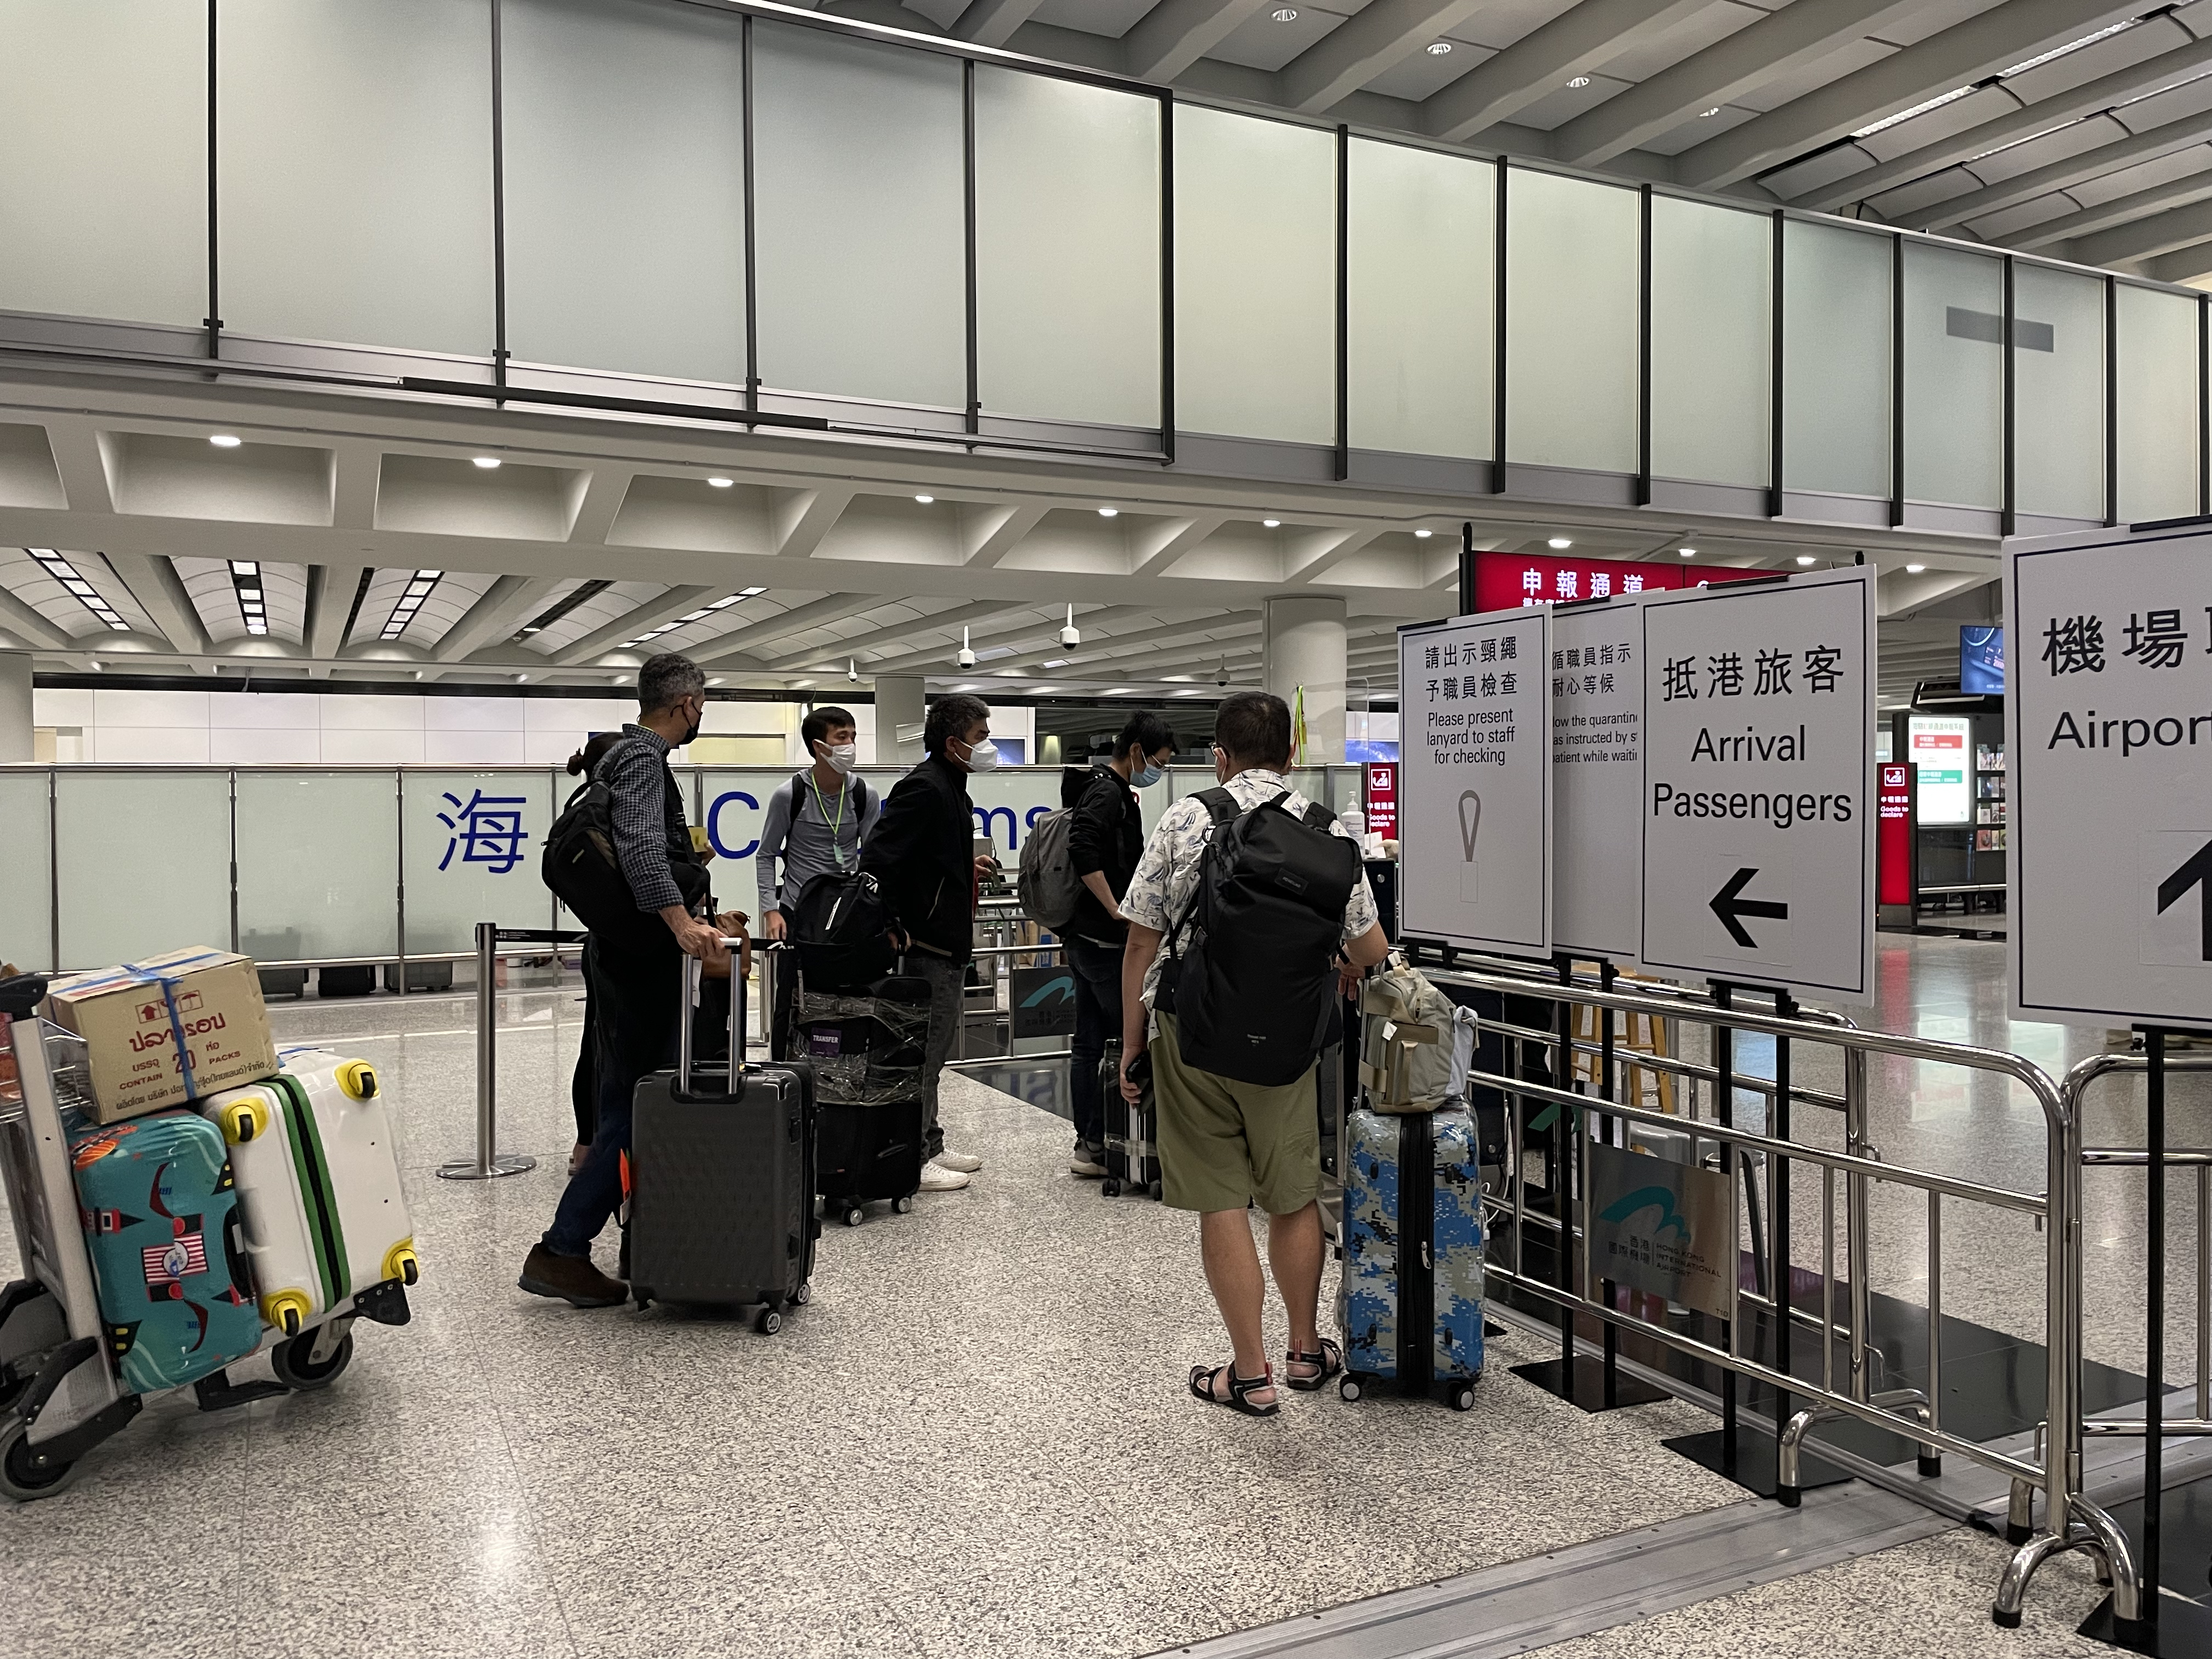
(573, 1279)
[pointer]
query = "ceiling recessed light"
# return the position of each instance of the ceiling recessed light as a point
(1423, 535)
(1579, 80)
(1708, 114)
(1286, 13)
(487, 462)
(1558, 542)
(1109, 512)
(721, 484)
(1687, 552)
(1272, 524)
(925, 499)
(1804, 558)
(1439, 48)
(225, 440)
(1914, 570)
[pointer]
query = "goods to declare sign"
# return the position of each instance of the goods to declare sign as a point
(1758, 827)
(1509, 582)
(1597, 750)
(2108, 720)
(1382, 798)
(1475, 808)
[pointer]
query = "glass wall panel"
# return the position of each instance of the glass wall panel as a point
(470, 843)
(1836, 293)
(1067, 249)
(143, 863)
(1256, 277)
(734, 804)
(1712, 343)
(1423, 281)
(26, 919)
(1570, 323)
(860, 247)
(2158, 367)
(1009, 803)
(1954, 377)
(2058, 393)
(353, 143)
(103, 199)
(625, 186)
(318, 865)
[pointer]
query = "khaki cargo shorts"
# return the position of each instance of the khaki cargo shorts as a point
(1224, 1143)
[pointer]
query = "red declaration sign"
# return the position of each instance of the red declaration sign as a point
(1382, 798)
(1894, 836)
(1506, 581)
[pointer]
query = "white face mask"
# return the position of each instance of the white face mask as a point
(841, 756)
(982, 756)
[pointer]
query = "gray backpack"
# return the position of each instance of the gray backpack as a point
(1048, 882)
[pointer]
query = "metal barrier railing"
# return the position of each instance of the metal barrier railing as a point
(1913, 1414)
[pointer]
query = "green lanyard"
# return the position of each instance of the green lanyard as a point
(836, 846)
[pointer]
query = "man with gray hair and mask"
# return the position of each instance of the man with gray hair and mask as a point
(637, 985)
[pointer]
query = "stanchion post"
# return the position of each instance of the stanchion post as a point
(1724, 1101)
(1565, 1131)
(1606, 974)
(489, 1161)
(1777, 1213)
(2154, 1339)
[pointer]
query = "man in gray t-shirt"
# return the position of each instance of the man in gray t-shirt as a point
(815, 823)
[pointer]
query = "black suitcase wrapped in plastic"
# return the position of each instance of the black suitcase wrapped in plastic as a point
(865, 1051)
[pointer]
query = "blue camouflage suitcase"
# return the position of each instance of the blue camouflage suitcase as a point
(1409, 1301)
(159, 1213)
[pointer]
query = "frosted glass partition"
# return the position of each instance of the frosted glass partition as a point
(1571, 330)
(732, 803)
(26, 919)
(1421, 298)
(1256, 277)
(859, 201)
(353, 142)
(2158, 365)
(1067, 249)
(1954, 377)
(318, 865)
(103, 200)
(2058, 393)
(1008, 803)
(625, 186)
(1836, 292)
(470, 843)
(142, 863)
(1712, 343)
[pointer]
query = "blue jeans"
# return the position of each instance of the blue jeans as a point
(1097, 1020)
(633, 997)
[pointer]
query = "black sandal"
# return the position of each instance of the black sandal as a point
(1201, 1385)
(1329, 1358)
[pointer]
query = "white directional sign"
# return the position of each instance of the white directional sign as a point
(2108, 722)
(1758, 803)
(1597, 777)
(1474, 809)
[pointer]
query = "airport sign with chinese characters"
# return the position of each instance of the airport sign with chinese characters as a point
(1597, 752)
(1758, 783)
(2108, 718)
(1474, 813)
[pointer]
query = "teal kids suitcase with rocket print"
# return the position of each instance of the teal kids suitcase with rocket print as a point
(1409, 1301)
(159, 1213)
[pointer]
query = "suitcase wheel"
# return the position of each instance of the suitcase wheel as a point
(769, 1322)
(358, 1079)
(1348, 1387)
(286, 1310)
(243, 1120)
(1461, 1397)
(1157, 1190)
(903, 1204)
(1109, 1187)
(400, 1262)
(854, 1215)
(804, 1294)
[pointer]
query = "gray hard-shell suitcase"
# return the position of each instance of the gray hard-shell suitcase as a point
(722, 1180)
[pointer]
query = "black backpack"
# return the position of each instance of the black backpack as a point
(842, 929)
(1252, 990)
(582, 867)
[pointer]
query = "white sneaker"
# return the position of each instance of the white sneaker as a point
(961, 1161)
(936, 1178)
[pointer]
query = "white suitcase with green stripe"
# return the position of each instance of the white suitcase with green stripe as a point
(318, 1184)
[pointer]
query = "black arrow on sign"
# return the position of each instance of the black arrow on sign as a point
(2196, 872)
(1729, 907)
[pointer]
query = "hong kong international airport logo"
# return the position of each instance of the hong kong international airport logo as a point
(485, 830)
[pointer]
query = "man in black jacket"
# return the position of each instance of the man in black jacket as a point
(1105, 839)
(922, 854)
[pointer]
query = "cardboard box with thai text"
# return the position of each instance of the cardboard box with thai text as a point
(133, 1018)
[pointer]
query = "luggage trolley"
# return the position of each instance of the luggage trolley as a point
(60, 1395)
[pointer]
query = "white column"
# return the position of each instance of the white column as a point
(15, 743)
(1303, 646)
(900, 711)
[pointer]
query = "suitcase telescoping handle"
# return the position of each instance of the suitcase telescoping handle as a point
(692, 971)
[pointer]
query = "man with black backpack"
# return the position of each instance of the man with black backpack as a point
(815, 826)
(1248, 902)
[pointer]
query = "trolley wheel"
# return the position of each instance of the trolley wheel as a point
(296, 1367)
(643, 1298)
(769, 1322)
(1109, 1187)
(903, 1204)
(1347, 1388)
(804, 1294)
(854, 1215)
(1157, 1190)
(20, 1478)
(1461, 1398)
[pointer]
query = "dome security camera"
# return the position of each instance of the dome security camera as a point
(853, 672)
(966, 657)
(1071, 634)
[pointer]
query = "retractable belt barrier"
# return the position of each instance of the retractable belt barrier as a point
(489, 1162)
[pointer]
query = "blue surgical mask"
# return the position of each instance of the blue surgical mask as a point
(1145, 776)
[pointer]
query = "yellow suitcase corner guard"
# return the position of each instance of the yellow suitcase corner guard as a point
(401, 1262)
(358, 1079)
(245, 1120)
(287, 1311)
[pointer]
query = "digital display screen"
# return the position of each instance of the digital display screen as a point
(1942, 748)
(1981, 661)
